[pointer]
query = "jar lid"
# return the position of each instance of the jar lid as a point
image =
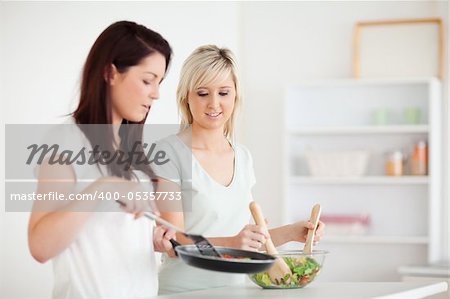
(421, 144)
(396, 155)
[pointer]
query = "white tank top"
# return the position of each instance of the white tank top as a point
(215, 211)
(111, 257)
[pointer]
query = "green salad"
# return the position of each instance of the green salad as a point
(303, 271)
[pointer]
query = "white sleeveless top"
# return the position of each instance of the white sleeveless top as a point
(112, 256)
(214, 211)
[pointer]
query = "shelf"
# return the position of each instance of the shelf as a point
(347, 130)
(364, 180)
(376, 239)
(364, 82)
(432, 270)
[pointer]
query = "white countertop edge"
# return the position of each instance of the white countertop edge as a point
(345, 290)
(421, 292)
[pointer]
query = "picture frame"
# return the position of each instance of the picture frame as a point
(399, 48)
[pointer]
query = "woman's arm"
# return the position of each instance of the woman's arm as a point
(49, 233)
(251, 237)
(51, 230)
(297, 231)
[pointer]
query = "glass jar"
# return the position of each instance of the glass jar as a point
(394, 164)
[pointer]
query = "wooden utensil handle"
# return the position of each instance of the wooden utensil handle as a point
(314, 219)
(259, 220)
(315, 215)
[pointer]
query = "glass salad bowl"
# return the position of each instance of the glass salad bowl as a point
(304, 268)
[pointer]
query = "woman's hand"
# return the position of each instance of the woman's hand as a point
(299, 231)
(161, 237)
(251, 237)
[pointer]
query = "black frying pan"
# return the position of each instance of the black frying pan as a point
(215, 258)
(243, 262)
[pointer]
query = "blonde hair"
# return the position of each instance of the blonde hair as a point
(207, 64)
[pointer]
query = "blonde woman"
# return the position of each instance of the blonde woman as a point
(214, 174)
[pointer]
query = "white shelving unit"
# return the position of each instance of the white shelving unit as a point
(347, 130)
(366, 180)
(404, 211)
(377, 239)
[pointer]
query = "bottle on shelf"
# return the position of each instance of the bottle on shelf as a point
(419, 159)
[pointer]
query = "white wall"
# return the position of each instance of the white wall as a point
(46, 44)
(43, 48)
(43, 45)
(283, 44)
(444, 9)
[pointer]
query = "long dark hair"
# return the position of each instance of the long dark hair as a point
(123, 44)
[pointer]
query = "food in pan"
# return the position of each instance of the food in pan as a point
(227, 256)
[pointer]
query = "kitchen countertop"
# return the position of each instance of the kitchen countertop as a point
(348, 290)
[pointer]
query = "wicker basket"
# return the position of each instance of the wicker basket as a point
(337, 163)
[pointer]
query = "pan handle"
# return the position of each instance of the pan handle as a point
(174, 245)
(157, 219)
(162, 222)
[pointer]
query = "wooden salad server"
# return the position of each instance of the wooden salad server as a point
(315, 216)
(280, 270)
